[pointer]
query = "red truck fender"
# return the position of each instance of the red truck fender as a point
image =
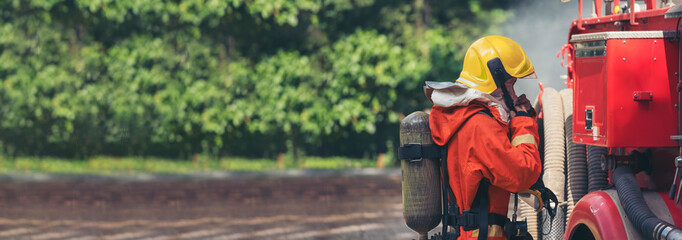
(599, 214)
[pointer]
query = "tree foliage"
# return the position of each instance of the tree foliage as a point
(246, 77)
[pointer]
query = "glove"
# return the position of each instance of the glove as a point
(522, 104)
(547, 197)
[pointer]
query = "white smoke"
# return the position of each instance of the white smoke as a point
(541, 28)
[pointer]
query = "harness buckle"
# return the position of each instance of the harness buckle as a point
(468, 220)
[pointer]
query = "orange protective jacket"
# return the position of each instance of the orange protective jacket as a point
(480, 147)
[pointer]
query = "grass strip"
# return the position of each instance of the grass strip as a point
(106, 165)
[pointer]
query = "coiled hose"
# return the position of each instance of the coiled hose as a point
(637, 210)
(576, 157)
(577, 167)
(597, 178)
(554, 174)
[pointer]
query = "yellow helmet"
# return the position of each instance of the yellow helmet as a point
(492, 60)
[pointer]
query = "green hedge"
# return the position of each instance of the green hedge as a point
(234, 77)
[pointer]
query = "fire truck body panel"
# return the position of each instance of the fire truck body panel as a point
(625, 89)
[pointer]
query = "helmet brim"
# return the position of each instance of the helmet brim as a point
(530, 76)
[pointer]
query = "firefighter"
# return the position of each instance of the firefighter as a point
(491, 135)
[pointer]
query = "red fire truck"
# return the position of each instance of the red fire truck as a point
(624, 141)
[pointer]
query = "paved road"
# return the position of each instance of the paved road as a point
(305, 207)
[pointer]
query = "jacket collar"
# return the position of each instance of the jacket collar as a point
(454, 94)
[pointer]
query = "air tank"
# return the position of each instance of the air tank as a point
(421, 185)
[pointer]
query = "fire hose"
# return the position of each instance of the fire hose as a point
(637, 210)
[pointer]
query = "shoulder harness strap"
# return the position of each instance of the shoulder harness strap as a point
(480, 206)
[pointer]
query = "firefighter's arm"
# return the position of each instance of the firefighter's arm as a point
(511, 165)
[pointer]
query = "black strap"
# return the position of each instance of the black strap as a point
(447, 206)
(486, 112)
(470, 220)
(500, 76)
(478, 217)
(480, 206)
(418, 151)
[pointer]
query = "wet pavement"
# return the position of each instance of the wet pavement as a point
(305, 206)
